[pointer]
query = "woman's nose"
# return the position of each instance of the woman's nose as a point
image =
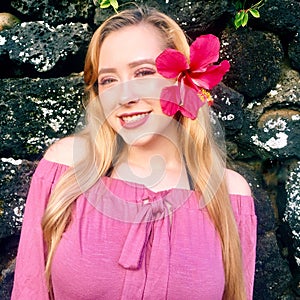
(128, 93)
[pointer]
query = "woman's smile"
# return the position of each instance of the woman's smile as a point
(134, 120)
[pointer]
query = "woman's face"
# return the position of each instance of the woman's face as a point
(129, 85)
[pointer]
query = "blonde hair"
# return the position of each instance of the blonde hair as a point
(204, 159)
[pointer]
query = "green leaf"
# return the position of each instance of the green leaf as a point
(240, 16)
(237, 24)
(238, 19)
(114, 4)
(105, 4)
(245, 20)
(254, 13)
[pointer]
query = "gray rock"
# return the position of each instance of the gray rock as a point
(197, 16)
(278, 133)
(284, 95)
(35, 112)
(294, 51)
(292, 212)
(279, 16)
(6, 282)
(255, 59)
(272, 276)
(271, 126)
(228, 108)
(14, 183)
(55, 12)
(194, 16)
(263, 204)
(46, 47)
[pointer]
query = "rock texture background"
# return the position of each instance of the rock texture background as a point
(42, 49)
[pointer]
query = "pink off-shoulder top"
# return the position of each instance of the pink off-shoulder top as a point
(128, 242)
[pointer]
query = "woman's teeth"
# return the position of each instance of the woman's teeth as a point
(133, 118)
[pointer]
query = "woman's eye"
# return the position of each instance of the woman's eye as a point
(144, 72)
(106, 81)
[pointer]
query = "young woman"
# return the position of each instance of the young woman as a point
(139, 204)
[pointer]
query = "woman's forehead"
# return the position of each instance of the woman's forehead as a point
(133, 42)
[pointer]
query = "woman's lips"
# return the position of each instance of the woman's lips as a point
(134, 120)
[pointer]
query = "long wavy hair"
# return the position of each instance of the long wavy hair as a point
(205, 161)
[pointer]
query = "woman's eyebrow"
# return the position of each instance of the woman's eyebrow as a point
(141, 61)
(106, 70)
(131, 65)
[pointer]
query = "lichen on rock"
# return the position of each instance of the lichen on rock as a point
(37, 112)
(44, 46)
(292, 212)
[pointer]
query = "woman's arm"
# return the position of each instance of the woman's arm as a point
(29, 281)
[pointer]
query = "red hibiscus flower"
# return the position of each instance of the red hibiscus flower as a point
(199, 75)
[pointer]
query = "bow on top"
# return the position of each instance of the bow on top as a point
(193, 79)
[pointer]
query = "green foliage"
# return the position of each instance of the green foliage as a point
(242, 15)
(108, 3)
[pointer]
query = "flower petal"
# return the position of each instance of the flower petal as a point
(170, 63)
(191, 102)
(203, 52)
(212, 76)
(169, 100)
(188, 81)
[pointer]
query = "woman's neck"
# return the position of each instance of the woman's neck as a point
(158, 165)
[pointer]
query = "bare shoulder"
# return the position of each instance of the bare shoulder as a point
(237, 184)
(65, 151)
